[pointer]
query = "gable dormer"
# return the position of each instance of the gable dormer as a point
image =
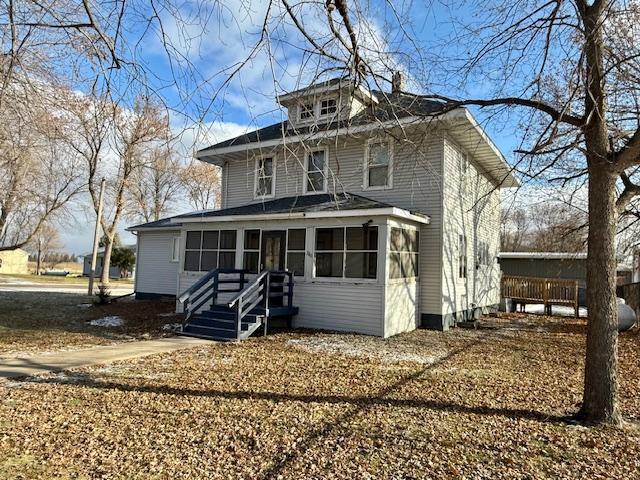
(335, 100)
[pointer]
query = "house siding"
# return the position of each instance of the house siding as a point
(155, 272)
(470, 208)
(417, 186)
(401, 307)
(342, 307)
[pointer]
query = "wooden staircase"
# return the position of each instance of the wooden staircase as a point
(269, 294)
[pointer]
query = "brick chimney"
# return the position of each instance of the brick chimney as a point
(397, 82)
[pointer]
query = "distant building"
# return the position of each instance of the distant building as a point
(572, 266)
(14, 261)
(114, 272)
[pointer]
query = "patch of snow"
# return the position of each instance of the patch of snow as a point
(85, 305)
(110, 321)
(168, 314)
(369, 347)
(557, 310)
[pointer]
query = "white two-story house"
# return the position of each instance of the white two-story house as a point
(385, 211)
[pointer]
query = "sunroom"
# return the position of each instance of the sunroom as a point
(354, 261)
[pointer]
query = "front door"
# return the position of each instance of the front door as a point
(273, 250)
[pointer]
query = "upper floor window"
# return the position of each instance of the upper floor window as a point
(306, 111)
(209, 249)
(316, 171)
(378, 164)
(328, 107)
(265, 177)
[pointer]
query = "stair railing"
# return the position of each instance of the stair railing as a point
(249, 298)
(199, 293)
(207, 289)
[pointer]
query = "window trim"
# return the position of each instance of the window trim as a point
(344, 251)
(256, 176)
(365, 167)
(325, 173)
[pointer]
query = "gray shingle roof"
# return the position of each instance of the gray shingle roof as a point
(297, 204)
(391, 106)
(323, 202)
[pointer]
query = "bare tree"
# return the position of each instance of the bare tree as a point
(570, 70)
(155, 187)
(44, 244)
(513, 235)
(37, 177)
(201, 183)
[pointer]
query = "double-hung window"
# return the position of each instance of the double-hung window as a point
(265, 177)
(462, 256)
(403, 256)
(209, 249)
(378, 164)
(316, 171)
(347, 252)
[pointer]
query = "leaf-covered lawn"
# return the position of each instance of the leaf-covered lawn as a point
(491, 405)
(44, 321)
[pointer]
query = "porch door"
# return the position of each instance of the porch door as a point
(273, 249)
(273, 254)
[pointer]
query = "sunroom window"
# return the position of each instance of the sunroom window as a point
(296, 239)
(316, 171)
(209, 249)
(403, 253)
(378, 165)
(251, 250)
(265, 176)
(347, 252)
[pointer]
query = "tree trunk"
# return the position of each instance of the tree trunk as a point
(600, 400)
(106, 261)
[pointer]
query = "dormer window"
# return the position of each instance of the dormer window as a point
(328, 107)
(306, 111)
(265, 177)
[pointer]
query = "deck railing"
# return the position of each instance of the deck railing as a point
(547, 291)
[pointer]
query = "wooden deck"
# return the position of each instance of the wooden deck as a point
(546, 291)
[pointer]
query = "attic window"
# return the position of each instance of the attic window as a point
(328, 107)
(305, 111)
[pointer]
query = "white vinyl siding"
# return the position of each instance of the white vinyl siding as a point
(342, 307)
(402, 312)
(472, 210)
(155, 271)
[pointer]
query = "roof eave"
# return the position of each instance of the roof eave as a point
(368, 212)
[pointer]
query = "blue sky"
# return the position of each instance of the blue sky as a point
(210, 43)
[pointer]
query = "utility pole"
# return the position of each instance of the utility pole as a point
(96, 238)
